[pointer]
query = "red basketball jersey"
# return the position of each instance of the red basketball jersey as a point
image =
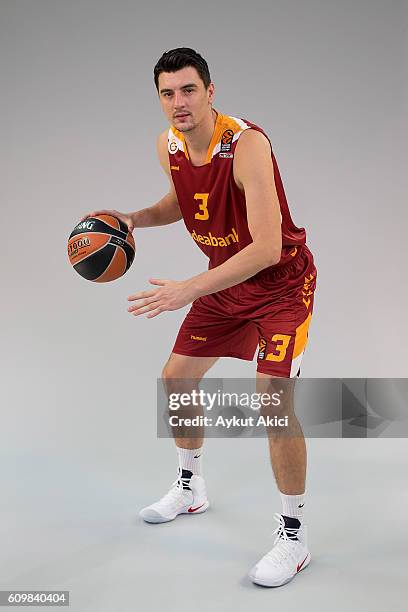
(212, 205)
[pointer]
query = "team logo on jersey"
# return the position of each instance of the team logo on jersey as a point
(262, 348)
(173, 146)
(226, 141)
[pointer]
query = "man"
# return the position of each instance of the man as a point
(258, 290)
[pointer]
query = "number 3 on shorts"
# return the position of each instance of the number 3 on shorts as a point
(202, 216)
(282, 342)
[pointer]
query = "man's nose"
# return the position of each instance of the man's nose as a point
(178, 99)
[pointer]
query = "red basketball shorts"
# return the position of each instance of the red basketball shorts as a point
(270, 311)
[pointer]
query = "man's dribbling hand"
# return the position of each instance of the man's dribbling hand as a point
(171, 295)
(125, 217)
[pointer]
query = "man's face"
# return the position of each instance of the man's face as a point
(185, 100)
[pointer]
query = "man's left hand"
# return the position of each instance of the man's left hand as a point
(171, 295)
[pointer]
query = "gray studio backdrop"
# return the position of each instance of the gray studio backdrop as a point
(327, 80)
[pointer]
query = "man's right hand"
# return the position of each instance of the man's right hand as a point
(126, 218)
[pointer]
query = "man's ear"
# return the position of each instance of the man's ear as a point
(211, 91)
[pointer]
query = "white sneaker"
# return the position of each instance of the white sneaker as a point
(178, 500)
(286, 559)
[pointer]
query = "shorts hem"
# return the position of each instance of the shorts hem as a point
(233, 355)
(262, 371)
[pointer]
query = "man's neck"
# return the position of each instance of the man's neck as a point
(198, 140)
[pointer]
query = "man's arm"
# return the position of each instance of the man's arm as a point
(167, 209)
(253, 171)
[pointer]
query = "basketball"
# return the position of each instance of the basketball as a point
(101, 249)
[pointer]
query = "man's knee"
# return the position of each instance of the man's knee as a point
(181, 367)
(170, 371)
(280, 393)
(177, 379)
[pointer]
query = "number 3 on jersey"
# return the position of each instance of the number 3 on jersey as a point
(282, 343)
(203, 215)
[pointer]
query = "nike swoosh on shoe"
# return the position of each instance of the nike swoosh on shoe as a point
(194, 509)
(299, 567)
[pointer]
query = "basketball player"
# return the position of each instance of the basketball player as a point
(258, 290)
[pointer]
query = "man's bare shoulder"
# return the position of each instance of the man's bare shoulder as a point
(162, 151)
(252, 155)
(162, 137)
(254, 140)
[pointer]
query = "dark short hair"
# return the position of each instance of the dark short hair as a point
(176, 59)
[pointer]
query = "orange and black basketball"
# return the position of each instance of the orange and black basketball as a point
(101, 249)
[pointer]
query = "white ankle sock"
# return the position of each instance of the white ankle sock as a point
(190, 459)
(292, 505)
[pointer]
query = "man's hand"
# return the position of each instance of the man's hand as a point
(171, 295)
(125, 217)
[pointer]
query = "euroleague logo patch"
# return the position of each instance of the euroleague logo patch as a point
(262, 348)
(226, 141)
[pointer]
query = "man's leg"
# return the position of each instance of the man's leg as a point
(287, 447)
(188, 495)
(182, 374)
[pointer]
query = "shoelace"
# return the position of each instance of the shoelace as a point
(176, 490)
(285, 544)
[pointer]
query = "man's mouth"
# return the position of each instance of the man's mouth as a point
(182, 115)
